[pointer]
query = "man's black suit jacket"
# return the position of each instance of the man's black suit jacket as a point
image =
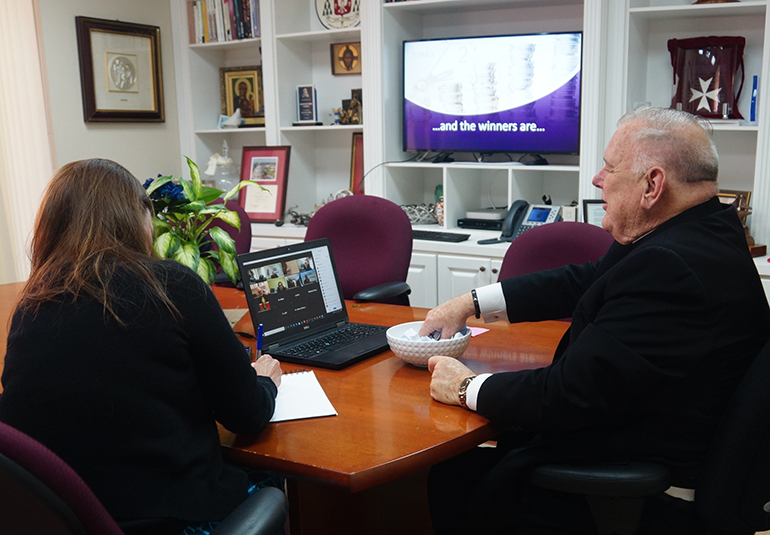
(662, 332)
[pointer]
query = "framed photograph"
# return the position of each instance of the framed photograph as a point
(730, 196)
(593, 211)
(357, 164)
(346, 58)
(120, 71)
(268, 166)
(241, 88)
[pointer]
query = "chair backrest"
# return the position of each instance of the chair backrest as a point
(40, 493)
(733, 492)
(371, 240)
(242, 237)
(554, 245)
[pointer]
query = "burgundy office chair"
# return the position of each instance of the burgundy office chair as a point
(371, 241)
(40, 493)
(554, 245)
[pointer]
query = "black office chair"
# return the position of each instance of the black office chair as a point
(732, 494)
(40, 493)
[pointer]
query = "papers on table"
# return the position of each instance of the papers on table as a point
(301, 396)
(234, 315)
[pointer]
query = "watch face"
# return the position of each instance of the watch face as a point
(336, 14)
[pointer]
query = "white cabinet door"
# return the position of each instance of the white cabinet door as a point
(460, 274)
(497, 264)
(422, 280)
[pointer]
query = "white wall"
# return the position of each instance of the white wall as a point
(145, 149)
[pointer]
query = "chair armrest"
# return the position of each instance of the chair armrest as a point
(263, 513)
(627, 479)
(383, 291)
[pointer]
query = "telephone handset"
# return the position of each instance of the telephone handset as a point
(523, 216)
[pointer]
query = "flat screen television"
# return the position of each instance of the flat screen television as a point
(507, 93)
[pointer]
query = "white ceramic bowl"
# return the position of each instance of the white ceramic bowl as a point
(417, 352)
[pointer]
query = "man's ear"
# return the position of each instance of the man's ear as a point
(656, 184)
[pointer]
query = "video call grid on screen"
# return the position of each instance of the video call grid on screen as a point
(510, 93)
(293, 291)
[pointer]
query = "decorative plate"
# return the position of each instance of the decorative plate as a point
(336, 14)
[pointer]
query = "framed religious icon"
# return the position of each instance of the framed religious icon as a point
(739, 199)
(357, 164)
(269, 167)
(120, 71)
(241, 89)
(593, 211)
(346, 58)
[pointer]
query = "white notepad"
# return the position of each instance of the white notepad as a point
(301, 396)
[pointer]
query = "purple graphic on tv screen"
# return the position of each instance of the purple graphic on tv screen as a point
(493, 94)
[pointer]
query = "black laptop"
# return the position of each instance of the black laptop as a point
(294, 292)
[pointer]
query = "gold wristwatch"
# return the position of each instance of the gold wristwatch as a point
(463, 391)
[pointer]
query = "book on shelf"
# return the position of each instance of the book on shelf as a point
(212, 21)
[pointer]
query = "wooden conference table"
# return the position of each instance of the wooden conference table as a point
(364, 470)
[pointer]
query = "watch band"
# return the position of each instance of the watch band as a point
(462, 392)
(476, 307)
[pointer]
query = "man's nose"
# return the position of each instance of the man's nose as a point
(598, 180)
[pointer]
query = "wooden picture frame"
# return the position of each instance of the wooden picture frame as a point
(357, 164)
(120, 71)
(346, 58)
(729, 196)
(593, 211)
(241, 87)
(269, 167)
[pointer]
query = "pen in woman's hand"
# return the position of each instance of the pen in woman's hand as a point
(260, 334)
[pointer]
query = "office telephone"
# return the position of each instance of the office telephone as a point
(523, 216)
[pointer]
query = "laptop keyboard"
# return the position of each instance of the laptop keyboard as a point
(339, 338)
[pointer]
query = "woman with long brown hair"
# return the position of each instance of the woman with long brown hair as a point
(122, 363)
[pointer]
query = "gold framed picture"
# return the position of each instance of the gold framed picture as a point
(241, 89)
(346, 58)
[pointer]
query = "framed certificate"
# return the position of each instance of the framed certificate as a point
(593, 211)
(269, 167)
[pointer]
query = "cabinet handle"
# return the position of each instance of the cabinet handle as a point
(494, 270)
(482, 269)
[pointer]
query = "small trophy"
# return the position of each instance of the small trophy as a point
(307, 109)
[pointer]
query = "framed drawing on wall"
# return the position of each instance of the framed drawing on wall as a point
(357, 164)
(593, 211)
(269, 167)
(241, 88)
(120, 71)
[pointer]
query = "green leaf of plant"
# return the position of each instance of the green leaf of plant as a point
(243, 184)
(229, 266)
(195, 207)
(188, 190)
(210, 194)
(158, 182)
(195, 174)
(223, 240)
(189, 255)
(207, 270)
(231, 218)
(166, 244)
(159, 226)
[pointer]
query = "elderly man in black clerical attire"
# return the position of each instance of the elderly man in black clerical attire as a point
(663, 329)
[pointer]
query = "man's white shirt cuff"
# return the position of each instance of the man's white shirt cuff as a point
(472, 393)
(491, 302)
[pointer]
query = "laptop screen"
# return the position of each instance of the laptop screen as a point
(292, 290)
